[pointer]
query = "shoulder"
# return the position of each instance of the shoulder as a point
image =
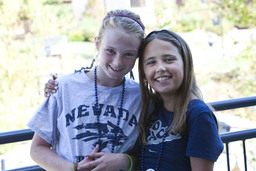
(198, 107)
(131, 84)
(67, 78)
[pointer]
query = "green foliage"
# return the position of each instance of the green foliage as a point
(190, 16)
(22, 67)
(51, 2)
(242, 78)
(19, 79)
(241, 13)
(87, 30)
(245, 79)
(240, 74)
(193, 15)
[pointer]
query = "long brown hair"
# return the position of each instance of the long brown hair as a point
(151, 99)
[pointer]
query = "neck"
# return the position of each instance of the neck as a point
(103, 79)
(168, 102)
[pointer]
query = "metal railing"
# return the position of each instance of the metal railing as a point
(238, 135)
(27, 134)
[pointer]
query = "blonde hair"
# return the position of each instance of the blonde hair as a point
(188, 85)
(123, 19)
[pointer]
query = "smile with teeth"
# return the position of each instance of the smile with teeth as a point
(163, 78)
(115, 69)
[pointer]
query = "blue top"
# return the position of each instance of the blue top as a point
(200, 139)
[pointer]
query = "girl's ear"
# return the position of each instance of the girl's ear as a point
(97, 44)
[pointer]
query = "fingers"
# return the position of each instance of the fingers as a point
(95, 155)
(96, 149)
(48, 89)
(46, 94)
(90, 162)
(51, 86)
(89, 165)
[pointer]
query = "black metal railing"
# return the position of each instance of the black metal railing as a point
(237, 135)
(27, 134)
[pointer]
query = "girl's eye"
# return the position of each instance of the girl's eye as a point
(110, 51)
(129, 55)
(169, 59)
(151, 62)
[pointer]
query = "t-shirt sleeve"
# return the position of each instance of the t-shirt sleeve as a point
(42, 120)
(203, 137)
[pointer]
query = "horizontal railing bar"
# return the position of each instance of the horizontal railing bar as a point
(27, 134)
(238, 135)
(234, 103)
(16, 136)
(29, 168)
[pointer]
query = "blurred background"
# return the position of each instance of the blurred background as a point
(44, 37)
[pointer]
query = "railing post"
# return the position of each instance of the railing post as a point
(245, 160)
(2, 164)
(227, 151)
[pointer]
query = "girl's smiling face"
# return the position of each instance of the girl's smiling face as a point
(118, 53)
(163, 67)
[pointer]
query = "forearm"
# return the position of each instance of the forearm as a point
(129, 162)
(200, 164)
(41, 153)
(49, 160)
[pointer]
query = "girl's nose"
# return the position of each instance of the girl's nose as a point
(160, 68)
(117, 61)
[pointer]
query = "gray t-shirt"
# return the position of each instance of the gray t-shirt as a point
(74, 107)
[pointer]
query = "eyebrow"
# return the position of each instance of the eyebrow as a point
(134, 51)
(165, 55)
(130, 50)
(169, 55)
(149, 58)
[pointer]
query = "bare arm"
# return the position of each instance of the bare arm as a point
(200, 164)
(41, 153)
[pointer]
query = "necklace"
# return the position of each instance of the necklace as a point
(161, 148)
(116, 130)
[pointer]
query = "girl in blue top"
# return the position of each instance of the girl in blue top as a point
(179, 132)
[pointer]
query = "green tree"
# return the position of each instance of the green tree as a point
(241, 12)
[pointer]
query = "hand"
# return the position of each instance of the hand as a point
(106, 161)
(87, 160)
(51, 86)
